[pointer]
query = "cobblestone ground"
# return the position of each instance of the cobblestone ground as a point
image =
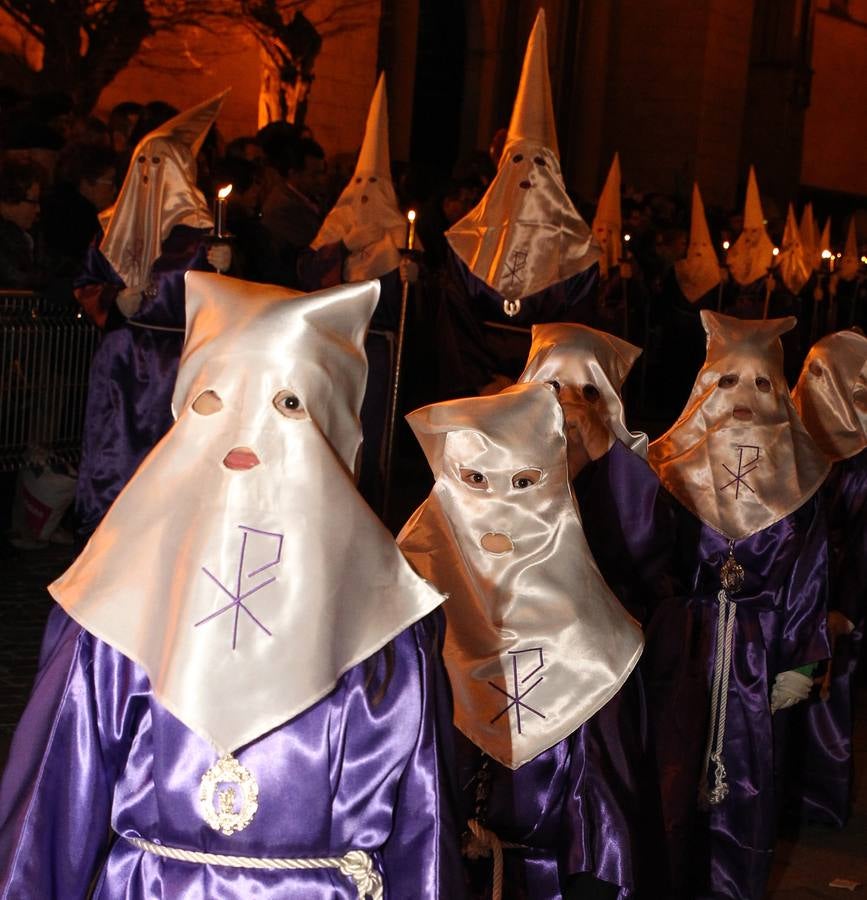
(804, 867)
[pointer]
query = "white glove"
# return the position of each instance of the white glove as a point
(220, 257)
(129, 300)
(362, 236)
(789, 688)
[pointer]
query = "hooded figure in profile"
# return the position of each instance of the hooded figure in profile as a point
(625, 510)
(831, 398)
(252, 698)
(738, 638)
(523, 255)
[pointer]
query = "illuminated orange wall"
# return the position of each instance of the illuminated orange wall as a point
(835, 133)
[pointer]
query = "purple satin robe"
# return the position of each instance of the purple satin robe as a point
(96, 757)
(779, 625)
(576, 809)
(132, 375)
(628, 520)
(822, 730)
(471, 353)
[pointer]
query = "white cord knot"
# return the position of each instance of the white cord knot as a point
(358, 865)
(711, 795)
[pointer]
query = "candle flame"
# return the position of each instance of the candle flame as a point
(826, 254)
(627, 237)
(411, 215)
(224, 191)
(864, 260)
(726, 245)
(776, 251)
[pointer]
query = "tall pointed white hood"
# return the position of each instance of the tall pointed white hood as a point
(525, 234)
(607, 223)
(752, 253)
(699, 272)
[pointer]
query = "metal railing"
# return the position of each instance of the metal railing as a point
(45, 351)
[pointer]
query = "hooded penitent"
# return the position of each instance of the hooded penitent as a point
(240, 567)
(752, 253)
(739, 457)
(525, 235)
(849, 261)
(793, 261)
(699, 272)
(369, 200)
(607, 222)
(589, 368)
(536, 642)
(158, 193)
(831, 394)
(810, 236)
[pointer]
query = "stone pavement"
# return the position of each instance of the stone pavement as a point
(805, 865)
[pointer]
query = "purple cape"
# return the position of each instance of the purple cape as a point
(132, 376)
(96, 758)
(820, 745)
(779, 625)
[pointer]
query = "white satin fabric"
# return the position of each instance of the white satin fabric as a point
(368, 202)
(699, 272)
(580, 359)
(752, 253)
(525, 234)
(831, 394)
(158, 193)
(740, 474)
(536, 643)
(245, 593)
(793, 263)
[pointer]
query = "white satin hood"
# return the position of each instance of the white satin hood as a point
(536, 643)
(793, 261)
(590, 367)
(245, 589)
(752, 254)
(739, 457)
(699, 272)
(369, 200)
(831, 394)
(158, 193)
(525, 234)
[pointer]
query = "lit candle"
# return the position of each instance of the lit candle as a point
(220, 210)
(410, 229)
(726, 246)
(776, 251)
(828, 256)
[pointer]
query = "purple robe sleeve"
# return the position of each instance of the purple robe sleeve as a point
(54, 827)
(803, 635)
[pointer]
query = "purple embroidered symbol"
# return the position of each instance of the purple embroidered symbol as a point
(515, 268)
(239, 596)
(517, 698)
(745, 466)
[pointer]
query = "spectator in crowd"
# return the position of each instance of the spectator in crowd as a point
(20, 192)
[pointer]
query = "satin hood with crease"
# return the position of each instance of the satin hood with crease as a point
(739, 457)
(578, 357)
(525, 233)
(536, 643)
(158, 193)
(369, 199)
(239, 566)
(831, 394)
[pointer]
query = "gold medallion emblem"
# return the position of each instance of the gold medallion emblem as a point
(228, 796)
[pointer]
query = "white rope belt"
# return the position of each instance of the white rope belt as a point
(486, 843)
(354, 864)
(725, 633)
